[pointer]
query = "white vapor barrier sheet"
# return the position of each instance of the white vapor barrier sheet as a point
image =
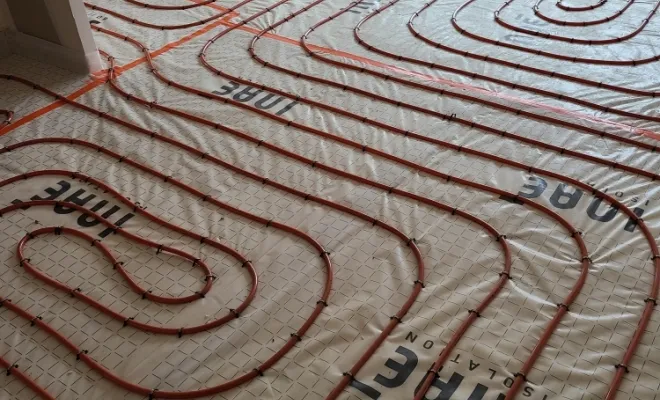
(373, 270)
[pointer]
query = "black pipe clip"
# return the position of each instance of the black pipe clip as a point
(79, 353)
(520, 374)
(10, 368)
(622, 366)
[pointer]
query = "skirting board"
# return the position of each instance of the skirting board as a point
(45, 51)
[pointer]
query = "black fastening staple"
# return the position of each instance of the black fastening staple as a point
(521, 375)
(622, 366)
(10, 368)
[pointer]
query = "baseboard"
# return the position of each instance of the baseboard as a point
(45, 51)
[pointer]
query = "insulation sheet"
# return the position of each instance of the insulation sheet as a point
(475, 179)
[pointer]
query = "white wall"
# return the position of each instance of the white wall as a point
(64, 37)
(5, 17)
(6, 23)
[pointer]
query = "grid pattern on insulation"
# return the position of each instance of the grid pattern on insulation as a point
(507, 311)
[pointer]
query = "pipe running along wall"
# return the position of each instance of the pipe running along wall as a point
(166, 27)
